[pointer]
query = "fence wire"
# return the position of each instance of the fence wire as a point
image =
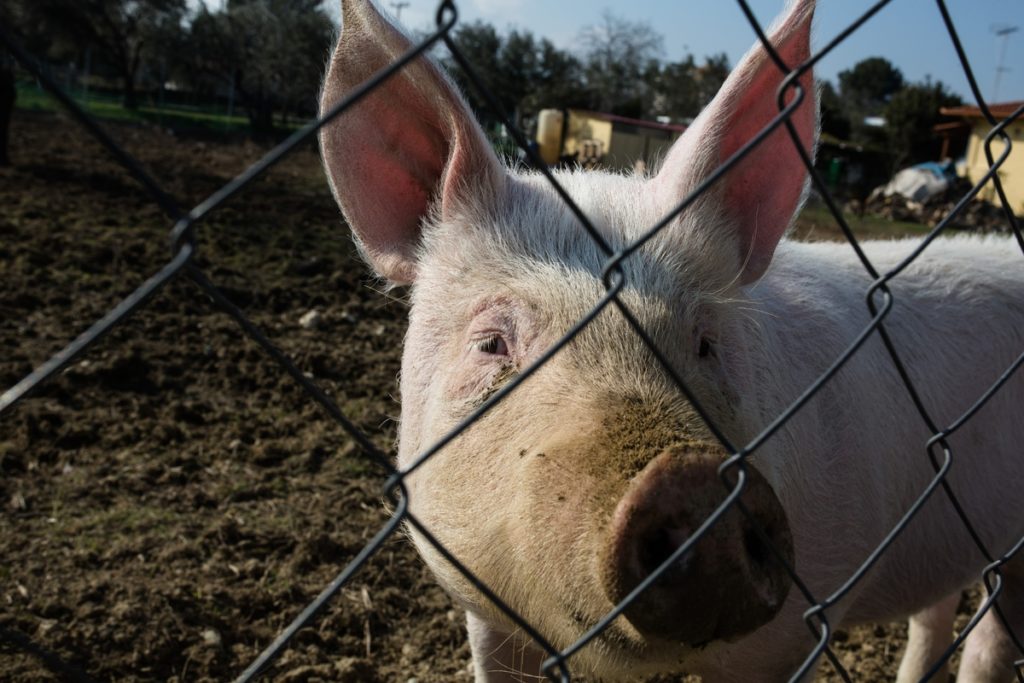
(879, 301)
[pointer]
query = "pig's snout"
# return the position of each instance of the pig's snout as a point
(728, 584)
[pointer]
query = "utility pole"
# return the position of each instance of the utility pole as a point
(398, 6)
(1004, 33)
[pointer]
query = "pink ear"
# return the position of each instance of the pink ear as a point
(410, 143)
(761, 194)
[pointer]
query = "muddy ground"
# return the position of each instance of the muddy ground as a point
(171, 500)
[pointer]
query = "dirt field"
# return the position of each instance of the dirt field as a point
(172, 500)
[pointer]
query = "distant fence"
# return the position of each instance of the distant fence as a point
(559, 663)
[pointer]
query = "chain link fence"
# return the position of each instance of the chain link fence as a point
(182, 265)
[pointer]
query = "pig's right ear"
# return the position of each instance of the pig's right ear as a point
(408, 148)
(761, 194)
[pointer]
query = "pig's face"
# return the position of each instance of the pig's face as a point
(586, 478)
(547, 498)
(590, 473)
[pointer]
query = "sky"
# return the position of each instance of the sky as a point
(909, 33)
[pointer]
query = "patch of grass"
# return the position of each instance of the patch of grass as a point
(33, 99)
(816, 223)
(110, 108)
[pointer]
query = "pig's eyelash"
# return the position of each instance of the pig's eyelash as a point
(492, 345)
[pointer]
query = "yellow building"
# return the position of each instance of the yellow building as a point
(591, 138)
(1011, 173)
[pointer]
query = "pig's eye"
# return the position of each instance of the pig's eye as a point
(492, 345)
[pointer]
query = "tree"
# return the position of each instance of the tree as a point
(620, 73)
(617, 54)
(834, 120)
(20, 18)
(481, 45)
(677, 94)
(519, 68)
(8, 95)
(870, 84)
(271, 52)
(523, 74)
(683, 88)
(121, 32)
(710, 77)
(559, 81)
(910, 116)
(9, 16)
(865, 90)
(310, 35)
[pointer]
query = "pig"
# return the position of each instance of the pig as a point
(588, 476)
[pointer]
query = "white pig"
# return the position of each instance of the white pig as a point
(593, 471)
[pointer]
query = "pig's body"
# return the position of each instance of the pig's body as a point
(857, 457)
(856, 460)
(846, 467)
(595, 471)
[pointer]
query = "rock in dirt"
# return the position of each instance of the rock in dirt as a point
(311, 320)
(355, 670)
(309, 674)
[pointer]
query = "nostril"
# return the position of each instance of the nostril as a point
(767, 576)
(655, 549)
(756, 549)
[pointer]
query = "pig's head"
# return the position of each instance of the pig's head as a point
(584, 479)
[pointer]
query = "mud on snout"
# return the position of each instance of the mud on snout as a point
(729, 583)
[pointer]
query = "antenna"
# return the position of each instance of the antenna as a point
(398, 6)
(1004, 33)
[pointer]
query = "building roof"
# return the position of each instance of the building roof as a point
(1000, 111)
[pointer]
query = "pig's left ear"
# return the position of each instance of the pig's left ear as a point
(760, 195)
(408, 148)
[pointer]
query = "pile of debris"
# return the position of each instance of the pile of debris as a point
(919, 199)
(978, 215)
